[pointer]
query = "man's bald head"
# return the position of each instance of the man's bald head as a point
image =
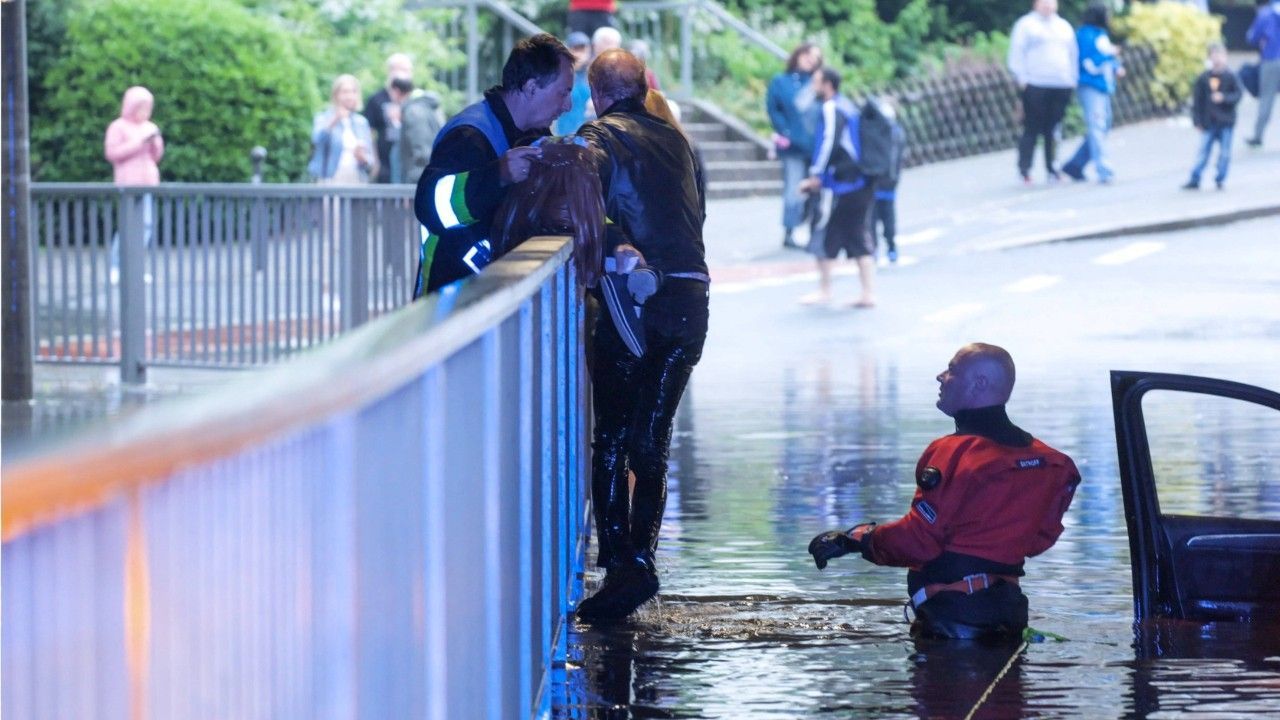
(979, 375)
(614, 76)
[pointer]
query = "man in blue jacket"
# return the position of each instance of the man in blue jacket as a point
(1264, 34)
(482, 151)
(793, 112)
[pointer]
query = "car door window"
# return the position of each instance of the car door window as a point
(1213, 456)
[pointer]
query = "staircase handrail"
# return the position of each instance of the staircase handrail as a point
(746, 31)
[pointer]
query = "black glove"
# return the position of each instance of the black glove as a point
(835, 543)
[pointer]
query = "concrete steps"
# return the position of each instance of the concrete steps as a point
(734, 158)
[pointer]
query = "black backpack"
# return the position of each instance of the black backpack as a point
(875, 140)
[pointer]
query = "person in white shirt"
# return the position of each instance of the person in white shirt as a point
(1043, 58)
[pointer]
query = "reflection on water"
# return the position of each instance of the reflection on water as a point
(768, 454)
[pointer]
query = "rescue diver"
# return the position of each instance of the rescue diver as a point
(479, 153)
(987, 498)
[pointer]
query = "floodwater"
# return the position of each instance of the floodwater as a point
(769, 453)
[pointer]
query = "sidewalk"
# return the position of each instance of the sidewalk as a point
(978, 204)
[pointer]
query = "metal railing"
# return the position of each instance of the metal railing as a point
(677, 32)
(213, 275)
(388, 527)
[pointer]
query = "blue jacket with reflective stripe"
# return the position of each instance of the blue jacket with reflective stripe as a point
(460, 190)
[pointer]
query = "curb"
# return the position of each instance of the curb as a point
(1141, 228)
(747, 271)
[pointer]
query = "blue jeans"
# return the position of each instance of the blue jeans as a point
(1222, 136)
(795, 166)
(1096, 107)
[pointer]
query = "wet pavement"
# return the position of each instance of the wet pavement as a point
(803, 419)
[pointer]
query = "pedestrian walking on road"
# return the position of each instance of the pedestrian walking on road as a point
(1099, 68)
(133, 145)
(793, 111)
(884, 213)
(1213, 110)
(1043, 58)
(844, 194)
(1264, 34)
(988, 497)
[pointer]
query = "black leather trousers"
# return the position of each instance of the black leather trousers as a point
(635, 403)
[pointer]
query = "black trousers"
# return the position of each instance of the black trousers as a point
(635, 405)
(1042, 111)
(886, 215)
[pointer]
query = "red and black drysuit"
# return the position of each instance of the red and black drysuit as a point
(987, 498)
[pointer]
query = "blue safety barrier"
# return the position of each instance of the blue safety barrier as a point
(390, 526)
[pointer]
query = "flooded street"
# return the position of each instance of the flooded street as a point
(800, 420)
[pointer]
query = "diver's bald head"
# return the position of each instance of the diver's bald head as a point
(979, 375)
(614, 76)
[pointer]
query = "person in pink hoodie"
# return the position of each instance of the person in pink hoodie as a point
(133, 146)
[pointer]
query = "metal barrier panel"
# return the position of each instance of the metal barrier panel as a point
(403, 544)
(214, 275)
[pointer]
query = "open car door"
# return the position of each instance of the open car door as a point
(1200, 477)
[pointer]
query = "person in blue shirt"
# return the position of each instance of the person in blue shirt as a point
(580, 45)
(1264, 34)
(1099, 68)
(793, 112)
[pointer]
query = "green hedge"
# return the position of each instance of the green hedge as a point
(223, 79)
(1180, 35)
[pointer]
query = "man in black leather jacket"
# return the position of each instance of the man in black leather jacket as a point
(655, 201)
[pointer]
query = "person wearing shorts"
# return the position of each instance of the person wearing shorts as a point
(840, 223)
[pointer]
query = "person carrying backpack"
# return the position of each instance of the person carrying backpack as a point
(846, 192)
(884, 145)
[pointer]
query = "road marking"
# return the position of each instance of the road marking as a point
(920, 237)
(1032, 283)
(953, 313)
(1129, 253)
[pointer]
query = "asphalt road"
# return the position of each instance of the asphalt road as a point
(1197, 300)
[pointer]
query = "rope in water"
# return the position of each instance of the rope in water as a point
(1029, 635)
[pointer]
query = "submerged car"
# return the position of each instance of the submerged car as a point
(1201, 487)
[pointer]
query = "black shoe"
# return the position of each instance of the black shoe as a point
(1253, 142)
(1072, 173)
(1191, 186)
(1220, 184)
(624, 590)
(789, 241)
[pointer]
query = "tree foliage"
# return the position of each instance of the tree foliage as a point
(1180, 35)
(356, 36)
(223, 83)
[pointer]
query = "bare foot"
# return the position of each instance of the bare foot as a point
(815, 298)
(863, 304)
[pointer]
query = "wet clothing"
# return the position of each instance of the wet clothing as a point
(987, 498)
(460, 189)
(655, 200)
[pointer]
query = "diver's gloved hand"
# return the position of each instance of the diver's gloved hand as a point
(642, 283)
(835, 543)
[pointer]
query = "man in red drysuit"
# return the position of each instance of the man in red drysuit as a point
(987, 498)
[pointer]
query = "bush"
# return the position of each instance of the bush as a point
(1180, 35)
(224, 81)
(357, 36)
